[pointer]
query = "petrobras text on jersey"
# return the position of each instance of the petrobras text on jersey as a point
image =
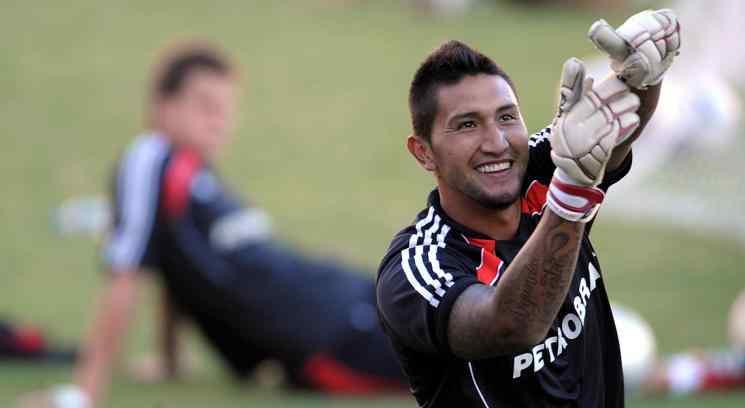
(569, 329)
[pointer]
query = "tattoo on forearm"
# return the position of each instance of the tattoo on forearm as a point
(529, 295)
(546, 272)
(526, 306)
(561, 257)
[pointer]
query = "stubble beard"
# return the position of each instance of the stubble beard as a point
(471, 189)
(497, 202)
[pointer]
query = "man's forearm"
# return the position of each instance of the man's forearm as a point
(520, 310)
(104, 336)
(648, 104)
(534, 286)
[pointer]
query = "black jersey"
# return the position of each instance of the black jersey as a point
(431, 262)
(253, 297)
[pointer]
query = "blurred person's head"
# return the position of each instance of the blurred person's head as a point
(467, 127)
(192, 96)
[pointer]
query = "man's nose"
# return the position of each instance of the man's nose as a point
(495, 140)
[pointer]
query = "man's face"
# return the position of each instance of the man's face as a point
(202, 113)
(479, 141)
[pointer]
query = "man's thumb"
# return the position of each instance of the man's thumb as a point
(606, 39)
(572, 83)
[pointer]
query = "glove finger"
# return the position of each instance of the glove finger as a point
(591, 166)
(647, 21)
(635, 32)
(650, 50)
(674, 31)
(598, 153)
(672, 43)
(667, 25)
(607, 40)
(610, 87)
(673, 23)
(662, 18)
(572, 81)
(609, 140)
(624, 103)
(628, 123)
(587, 85)
(661, 46)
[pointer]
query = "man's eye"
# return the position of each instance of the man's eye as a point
(466, 125)
(507, 117)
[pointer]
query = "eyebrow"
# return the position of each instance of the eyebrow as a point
(507, 107)
(463, 116)
(503, 108)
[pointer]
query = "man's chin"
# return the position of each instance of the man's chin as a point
(496, 202)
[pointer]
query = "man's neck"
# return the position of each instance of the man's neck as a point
(498, 224)
(180, 142)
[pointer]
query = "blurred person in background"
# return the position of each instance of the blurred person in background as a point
(701, 371)
(252, 298)
(494, 295)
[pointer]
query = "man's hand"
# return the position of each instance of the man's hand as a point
(101, 344)
(591, 121)
(64, 396)
(642, 48)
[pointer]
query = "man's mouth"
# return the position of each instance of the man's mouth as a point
(494, 167)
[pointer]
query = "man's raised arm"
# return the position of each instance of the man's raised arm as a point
(641, 51)
(648, 104)
(487, 321)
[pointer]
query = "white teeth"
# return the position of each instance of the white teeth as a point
(494, 167)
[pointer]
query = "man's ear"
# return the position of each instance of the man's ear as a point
(422, 152)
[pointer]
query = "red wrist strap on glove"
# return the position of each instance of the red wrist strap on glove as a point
(572, 202)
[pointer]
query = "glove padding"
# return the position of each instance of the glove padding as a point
(591, 121)
(642, 48)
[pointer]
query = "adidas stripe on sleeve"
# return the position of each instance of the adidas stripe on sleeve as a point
(418, 286)
(136, 202)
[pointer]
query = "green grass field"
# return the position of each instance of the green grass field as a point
(320, 146)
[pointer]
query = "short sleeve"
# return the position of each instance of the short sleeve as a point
(540, 165)
(136, 193)
(416, 290)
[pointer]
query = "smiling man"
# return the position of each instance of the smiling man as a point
(493, 297)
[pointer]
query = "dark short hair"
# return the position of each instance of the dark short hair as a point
(178, 61)
(446, 65)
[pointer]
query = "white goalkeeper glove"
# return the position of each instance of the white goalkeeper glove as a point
(590, 122)
(642, 48)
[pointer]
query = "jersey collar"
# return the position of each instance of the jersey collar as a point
(433, 199)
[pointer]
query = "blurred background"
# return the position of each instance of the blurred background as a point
(321, 147)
